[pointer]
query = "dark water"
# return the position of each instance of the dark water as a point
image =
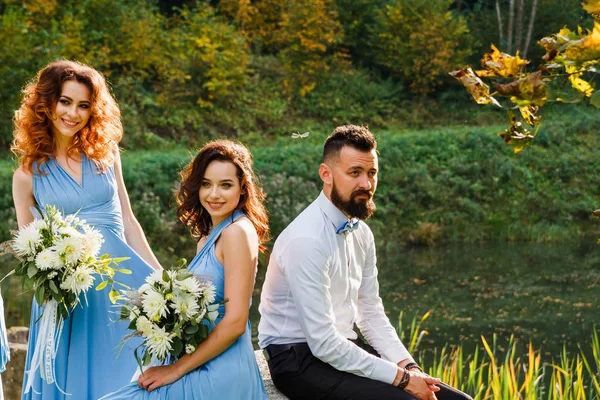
(548, 294)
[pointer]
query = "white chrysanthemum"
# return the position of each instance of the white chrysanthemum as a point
(190, 285)
(27, 239)
(154, 304)
(155, 277)
(93, 242)
(71, 248)
(38, 224)
(144, 326)
(79, 281)
(145, 288)
(159, 342)
(69, 231)
(189, 349)
(207, 293)
(185, 305)
(48, 259)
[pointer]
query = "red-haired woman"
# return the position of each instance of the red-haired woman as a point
(66, 139)
(220, 201)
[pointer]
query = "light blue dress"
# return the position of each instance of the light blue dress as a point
(86, 364)
(232, 375)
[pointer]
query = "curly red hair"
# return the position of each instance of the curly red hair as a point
(193, 214)
(33, 139)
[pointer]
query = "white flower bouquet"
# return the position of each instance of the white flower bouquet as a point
(59, 260)
(172, 312)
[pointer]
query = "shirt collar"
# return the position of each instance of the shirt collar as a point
(333, 214)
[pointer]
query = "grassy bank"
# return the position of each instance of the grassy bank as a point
(454, 184)
(513, 372)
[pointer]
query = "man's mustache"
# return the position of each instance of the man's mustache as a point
(361, 192)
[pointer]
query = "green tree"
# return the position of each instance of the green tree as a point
(418, 41)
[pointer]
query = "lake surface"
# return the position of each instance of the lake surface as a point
(548, 294)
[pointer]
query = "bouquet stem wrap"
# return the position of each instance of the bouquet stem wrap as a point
(46, 347)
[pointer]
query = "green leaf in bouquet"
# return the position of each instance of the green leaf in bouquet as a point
(177, 346)
(113, 296)
(212, 315)
(147, 358)
(31, 270)
(124, 271)
(122, 285)
(137, 358)
(118, 260)
(101, 285)
(191, 329)
(40, 295)
(125, 313)
(212, 307)
(132, 325)
(165, 276)
(183, 276)
(201, 334)
(53, 286)
(58, 296)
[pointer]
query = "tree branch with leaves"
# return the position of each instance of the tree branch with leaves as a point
(562, 75)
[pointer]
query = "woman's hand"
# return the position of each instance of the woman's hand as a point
(155, 377)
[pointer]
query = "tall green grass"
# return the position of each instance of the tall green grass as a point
(493, 372)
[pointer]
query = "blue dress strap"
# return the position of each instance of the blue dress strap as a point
(216, 232)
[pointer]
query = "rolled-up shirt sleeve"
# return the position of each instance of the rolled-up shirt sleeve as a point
(306, 269)
(372, 320)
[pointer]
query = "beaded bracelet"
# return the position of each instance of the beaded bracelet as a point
(412, 365)
(405, 380)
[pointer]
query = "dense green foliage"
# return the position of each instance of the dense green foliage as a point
(188, 70)
(446, 184)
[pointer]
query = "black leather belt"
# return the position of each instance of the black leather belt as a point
(274, 350)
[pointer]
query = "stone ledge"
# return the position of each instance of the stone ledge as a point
(12, 378)
(272, 391)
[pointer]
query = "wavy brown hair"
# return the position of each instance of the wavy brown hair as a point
(33, 138)
(194, 215)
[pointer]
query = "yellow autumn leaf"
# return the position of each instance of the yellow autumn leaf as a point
(474, 85)
(529, 114)
(580, 84)
(523, 92)
(496, 63)
(585, 49)
(592, 7)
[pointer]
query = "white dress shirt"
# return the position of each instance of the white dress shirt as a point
(318, 285)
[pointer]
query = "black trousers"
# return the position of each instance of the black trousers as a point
(298, 374)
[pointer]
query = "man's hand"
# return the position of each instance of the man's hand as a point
(422, 386)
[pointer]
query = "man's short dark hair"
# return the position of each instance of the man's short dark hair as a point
(355, 136)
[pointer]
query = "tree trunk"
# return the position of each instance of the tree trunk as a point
(530, 28)
(519, 40)
(511, 20)
(459, 4)
(500, 30)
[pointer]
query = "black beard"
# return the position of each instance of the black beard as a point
(360, 209)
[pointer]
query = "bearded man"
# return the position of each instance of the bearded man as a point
(322, 280)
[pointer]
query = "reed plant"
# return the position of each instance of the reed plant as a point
(504, 373)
